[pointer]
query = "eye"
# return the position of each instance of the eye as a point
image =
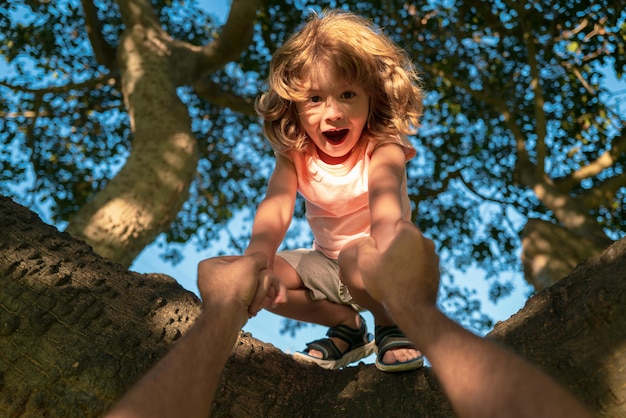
(315, 99)
(348, 95)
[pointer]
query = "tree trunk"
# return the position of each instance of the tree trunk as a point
(76, 330)
(145, 196)
(550, 252)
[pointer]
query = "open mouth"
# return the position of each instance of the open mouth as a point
(336, 136)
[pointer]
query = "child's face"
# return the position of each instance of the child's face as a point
(334, 114)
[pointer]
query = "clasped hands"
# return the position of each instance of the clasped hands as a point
(244, 283)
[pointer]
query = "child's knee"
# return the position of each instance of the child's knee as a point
(286, 274)
(348, 257)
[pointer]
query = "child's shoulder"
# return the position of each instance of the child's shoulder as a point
(400, 140)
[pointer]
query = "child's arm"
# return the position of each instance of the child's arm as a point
(386, 175)
(274, 213)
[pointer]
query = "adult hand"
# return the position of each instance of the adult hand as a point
(406, 273)
(242, 283)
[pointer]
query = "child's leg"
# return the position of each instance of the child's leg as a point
(350, 276)
(300, 306)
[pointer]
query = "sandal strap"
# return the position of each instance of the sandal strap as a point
(353, 337)
(388, 337)
(327, 347)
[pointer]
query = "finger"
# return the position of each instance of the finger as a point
(276, 295)
(280, 294)
(261, 292)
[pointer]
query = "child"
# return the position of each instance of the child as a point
(341, 99)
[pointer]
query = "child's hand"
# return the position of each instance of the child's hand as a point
(269, 293)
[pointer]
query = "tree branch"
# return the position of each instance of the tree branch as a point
(604, 161)
(569, 34)
(540, 117)
(104, 53)
(482, 196)
(90, 84)
(604, 192)
(30, 139)
(235, 37)
(214, 93)
(139, 12)
(571, 212)
(434, 192)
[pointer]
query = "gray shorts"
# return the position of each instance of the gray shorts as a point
(320, 275)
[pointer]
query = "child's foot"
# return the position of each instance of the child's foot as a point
(395, 352)
(343, 346)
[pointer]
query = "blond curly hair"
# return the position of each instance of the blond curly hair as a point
(361, 54)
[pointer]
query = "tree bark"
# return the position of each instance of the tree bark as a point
(550, 252)
(143, 199)
(77, 330)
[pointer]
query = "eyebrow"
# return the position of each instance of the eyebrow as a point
(343, 87)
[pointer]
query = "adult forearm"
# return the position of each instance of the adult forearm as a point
(480, 377)
(183, 383)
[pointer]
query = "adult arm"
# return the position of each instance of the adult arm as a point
(183, 383)
(480, 377)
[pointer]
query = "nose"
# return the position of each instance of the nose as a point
(333, 110)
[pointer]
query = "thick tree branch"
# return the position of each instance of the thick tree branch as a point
(571, 213)
(144, 197)
(139, 12)
(603, 193)
(79, 330)
(604, 161)
(235, 37)
(189, 62)
(91, 84)
(538, 104)
(104, 53)
(214, 93)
